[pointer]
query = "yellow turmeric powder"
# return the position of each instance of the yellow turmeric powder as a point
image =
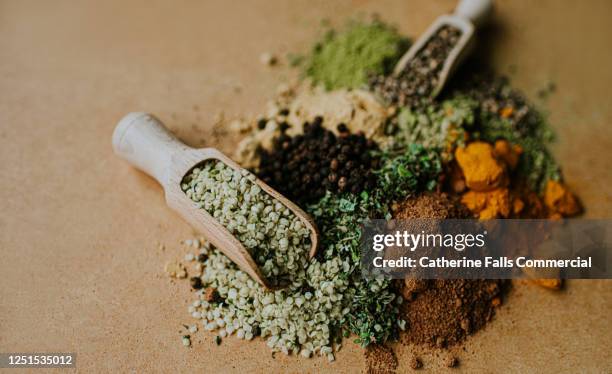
(550, 283)
(506, 112)
(483, 163)
(559, 200)
(509, 153)
(517, 205)
(490, 204)
(482, 170)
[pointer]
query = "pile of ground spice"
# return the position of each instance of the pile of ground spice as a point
(417, 82)
(360, 110)
(488, 190)
(441, 313)
(299, 103)
(432, 205)
(304, 167)
(347, 58)
(380, 359)
(504, 113)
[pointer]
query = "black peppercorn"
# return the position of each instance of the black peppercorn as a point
(261, 124)
(304, 166)
(196, 283)
(283, 126)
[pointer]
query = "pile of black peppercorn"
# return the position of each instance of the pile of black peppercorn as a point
(303, 167)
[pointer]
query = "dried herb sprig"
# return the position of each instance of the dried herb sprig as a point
(403, 174)
(373, 314)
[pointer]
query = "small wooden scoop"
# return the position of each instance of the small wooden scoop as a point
(468, 15)
(143, 141)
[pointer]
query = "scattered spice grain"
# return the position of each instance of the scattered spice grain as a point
(452, 362)
(175, 270)
(416, 363)
(380, 359)
(211, 295)
(196, 283)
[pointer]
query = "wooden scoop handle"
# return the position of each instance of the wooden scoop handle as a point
(143, 141)
(475, 11)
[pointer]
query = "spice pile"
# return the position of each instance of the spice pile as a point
(444, 312)
(303, 167)
(296, 319)
(347, 155)
(380, 359)
(345, 60)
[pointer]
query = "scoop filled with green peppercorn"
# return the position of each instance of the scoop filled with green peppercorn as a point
(265, 234)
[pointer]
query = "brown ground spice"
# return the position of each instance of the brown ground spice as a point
(430, 205)
(442, 313)
(447, 311)
(451, 362)
(416, 363)
(380, 359)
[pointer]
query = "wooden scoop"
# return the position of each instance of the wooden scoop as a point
(143, 141)
(468, 15)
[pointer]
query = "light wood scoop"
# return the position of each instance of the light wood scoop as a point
(468, 15)
(143, 141)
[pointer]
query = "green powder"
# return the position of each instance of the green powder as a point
(348, 58)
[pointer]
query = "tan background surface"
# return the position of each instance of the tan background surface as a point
(80, 269)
